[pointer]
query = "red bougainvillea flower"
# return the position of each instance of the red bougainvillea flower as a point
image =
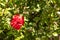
(17, 21)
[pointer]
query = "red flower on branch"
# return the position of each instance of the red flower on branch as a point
(17, 21)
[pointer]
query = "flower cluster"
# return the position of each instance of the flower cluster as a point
(17, 21)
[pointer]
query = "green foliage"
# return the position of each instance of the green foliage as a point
(42, 19)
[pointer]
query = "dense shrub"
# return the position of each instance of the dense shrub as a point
(41, 19)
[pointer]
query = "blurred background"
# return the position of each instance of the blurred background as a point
(42, 19)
